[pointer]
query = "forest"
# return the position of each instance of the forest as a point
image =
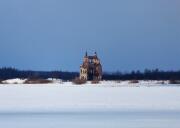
(147, 74)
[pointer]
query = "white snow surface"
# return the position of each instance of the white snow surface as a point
(14, 81)
(106, 83)
(105, 96)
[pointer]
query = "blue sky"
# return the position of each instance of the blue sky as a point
(54, 34)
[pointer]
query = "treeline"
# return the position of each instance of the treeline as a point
(145, 75)
(10, 73)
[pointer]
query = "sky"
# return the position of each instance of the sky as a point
(55, 34)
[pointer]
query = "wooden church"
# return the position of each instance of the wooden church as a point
(91, 69)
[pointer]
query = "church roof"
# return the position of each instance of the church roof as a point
(92, 57)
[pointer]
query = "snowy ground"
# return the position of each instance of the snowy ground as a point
(110, 104)
(102, 83)
(107, 95)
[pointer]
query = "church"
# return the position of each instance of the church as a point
(91, 69)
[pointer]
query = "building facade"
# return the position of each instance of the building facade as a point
(91, 69)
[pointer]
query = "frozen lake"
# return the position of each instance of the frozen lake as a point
(89, 106)
(108, 119)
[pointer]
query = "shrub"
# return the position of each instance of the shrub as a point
(1, 81)
(78, 81)
(118, 81)
(95, 82)
(174, 81)
(37, 81)
(160, 82)
(133, 81)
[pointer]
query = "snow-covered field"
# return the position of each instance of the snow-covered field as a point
(57, 97)
(105, 105)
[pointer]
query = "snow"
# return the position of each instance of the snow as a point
(102, 83)
(91, 120)
(110, 104)
(104, 96)
(14, 81)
